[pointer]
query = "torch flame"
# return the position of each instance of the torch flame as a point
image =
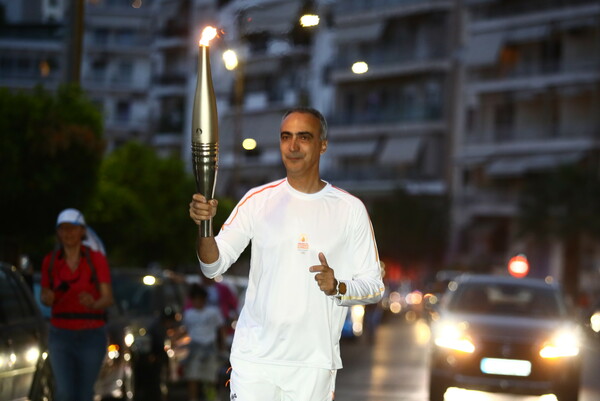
(208, 34)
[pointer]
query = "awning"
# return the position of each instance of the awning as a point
(276, 18)
(483, 49)
(366, 32)
(514, 166)
(528, 34)
(349, 149)
(262, 66)
(400, 150)
(585, 22)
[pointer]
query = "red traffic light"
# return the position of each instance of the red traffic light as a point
(518, 266)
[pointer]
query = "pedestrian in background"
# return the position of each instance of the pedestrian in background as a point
(204, 324)
(76, 285)
(313, 254)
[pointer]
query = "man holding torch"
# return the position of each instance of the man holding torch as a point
(313, 255)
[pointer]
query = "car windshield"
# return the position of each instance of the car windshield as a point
(132, 295)
(505, 299)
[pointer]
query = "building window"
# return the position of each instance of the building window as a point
(124, 74)
(504, 119)
(101, 36)
(98, 70)
(123, 111)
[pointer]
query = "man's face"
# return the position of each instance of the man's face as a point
(301, 145)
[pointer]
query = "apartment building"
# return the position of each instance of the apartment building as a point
(173, 65)
(32, 47)
(116, 70)
(531, 99)
(390, 124)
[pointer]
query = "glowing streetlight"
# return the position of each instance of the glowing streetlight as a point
(360, 67)
(230, 59)
(249, 144)
(308, 20)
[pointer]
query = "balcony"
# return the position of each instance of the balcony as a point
(348, 11)
(537, 75)
(488, 202)
(507, 9)
(101, 82)
(396, 114)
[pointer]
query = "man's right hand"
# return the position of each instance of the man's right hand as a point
(201, 209)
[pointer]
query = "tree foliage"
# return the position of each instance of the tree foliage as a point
(141, 209)
(412, 230)
(50, 151)
(562, 204)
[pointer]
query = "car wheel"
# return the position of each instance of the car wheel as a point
(437, 388)
(437, 391)
(567, 393)
(43, 388)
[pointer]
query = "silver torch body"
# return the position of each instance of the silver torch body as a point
(205, 135)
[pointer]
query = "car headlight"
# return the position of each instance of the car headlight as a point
(128, 339)
(595, 322)
(453, 336)
(138, 340)
(564, 344)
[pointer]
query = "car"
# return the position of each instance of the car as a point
(146, 338)
(25, 371)
(506, 335)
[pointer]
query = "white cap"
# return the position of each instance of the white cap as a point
(72, 216)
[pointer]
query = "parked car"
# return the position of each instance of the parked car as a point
(508, 335)
(25, 372)
(145, 336)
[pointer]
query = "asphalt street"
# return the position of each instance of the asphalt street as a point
(393, 366)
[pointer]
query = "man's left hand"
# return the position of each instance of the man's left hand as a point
(325, 277)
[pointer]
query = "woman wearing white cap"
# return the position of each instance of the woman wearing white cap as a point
(76, 284)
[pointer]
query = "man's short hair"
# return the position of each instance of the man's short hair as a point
(314, 112)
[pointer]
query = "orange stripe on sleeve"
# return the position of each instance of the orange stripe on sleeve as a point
(250, 196)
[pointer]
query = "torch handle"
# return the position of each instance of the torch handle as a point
(204, 158)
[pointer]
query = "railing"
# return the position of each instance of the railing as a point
(378, 56)
(517, 136)
(502, 9)
(540, 68)
(347, 7)
(478, 196)
(113, 42)
(38, 32)
(396, 114)
(171, 79)
(373, 173)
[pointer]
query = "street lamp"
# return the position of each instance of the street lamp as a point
(230, 59)
(249, 144)
(309, 20)
(360, 67)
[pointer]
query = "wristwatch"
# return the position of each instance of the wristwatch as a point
(337, 289)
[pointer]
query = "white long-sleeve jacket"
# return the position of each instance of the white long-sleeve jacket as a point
(286, 318)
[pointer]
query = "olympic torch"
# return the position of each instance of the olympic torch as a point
(205, 130)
